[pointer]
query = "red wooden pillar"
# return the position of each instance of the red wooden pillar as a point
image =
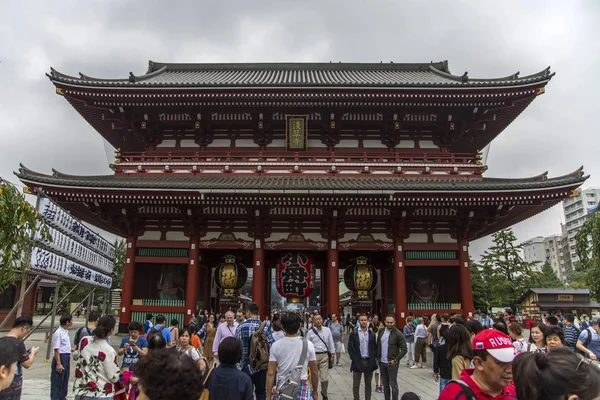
(399, 274)
(384, 292)
(332, 274)
(128, 281)
(466, 290)
(191, 292)
(258, 277)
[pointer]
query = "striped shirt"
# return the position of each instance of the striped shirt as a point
(571, 336)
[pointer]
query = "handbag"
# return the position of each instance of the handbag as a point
(329, 354)
(288, 386)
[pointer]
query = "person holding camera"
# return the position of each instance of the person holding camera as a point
(133, 346)
(321, 338)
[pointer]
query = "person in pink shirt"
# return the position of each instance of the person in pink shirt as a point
(224, 330)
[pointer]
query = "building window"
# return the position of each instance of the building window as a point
(7, 298)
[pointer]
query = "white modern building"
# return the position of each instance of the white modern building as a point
(576, 213)
(533, 251)
(545, 249)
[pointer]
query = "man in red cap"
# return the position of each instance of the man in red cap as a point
(491, 379)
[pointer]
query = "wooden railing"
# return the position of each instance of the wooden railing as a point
(296, 157)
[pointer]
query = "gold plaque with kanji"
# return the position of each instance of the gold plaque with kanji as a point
(296, 131)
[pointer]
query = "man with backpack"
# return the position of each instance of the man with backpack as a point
(291, 357)
(256, 339)
(589, 340)
(88, 329)
(321, 338)
(159, 329)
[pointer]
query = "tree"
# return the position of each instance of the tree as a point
(119, 270)
(480, 287)
(588, 251)
(19, 221)
(577, 280)
(547, 278)
(508, 276)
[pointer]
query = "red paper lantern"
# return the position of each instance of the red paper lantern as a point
(295, 276)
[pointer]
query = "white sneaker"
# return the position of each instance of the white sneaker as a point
(414, 366)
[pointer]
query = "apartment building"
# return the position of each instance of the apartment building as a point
(576, 210)
(546, 249)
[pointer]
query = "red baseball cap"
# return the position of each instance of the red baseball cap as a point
(499, 345)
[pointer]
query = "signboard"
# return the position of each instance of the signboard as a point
(564, 297)
(60, 219)
(75, 252)
(52, 264)
(64, 245)
(296, 131)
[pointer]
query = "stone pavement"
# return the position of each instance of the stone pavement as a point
(37, 378)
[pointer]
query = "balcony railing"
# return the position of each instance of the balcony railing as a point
(158, 302)
(246, 155)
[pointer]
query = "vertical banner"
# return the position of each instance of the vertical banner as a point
(296, 132)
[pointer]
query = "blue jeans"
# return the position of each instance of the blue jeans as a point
(443, 383)
(59, 383)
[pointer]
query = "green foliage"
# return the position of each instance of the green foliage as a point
(119, 270)
(577, 280)
(588, 250)
(480, 292)
(19, 221)
(504, 272)
(547, 278)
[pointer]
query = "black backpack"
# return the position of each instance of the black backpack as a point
(587, 342)
(78, 336)
(153, 332)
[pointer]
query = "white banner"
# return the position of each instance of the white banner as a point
(52, 264)
(62, 244)
(58, 218)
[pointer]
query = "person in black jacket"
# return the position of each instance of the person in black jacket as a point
(362, 352)
(226, 382)
(442, 365)
(391, 347)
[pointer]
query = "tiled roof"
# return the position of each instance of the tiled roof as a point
(266, 183)
(560, 291)
(300, 75)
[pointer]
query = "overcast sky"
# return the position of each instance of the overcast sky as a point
(557, 133)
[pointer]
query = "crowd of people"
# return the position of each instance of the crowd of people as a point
(238, 355)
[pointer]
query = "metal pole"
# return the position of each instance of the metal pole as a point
(12, 311)
(50, 313)
(90, 298)
(54, 306)
(25, 264)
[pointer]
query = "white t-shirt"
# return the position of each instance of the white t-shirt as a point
(286, 352)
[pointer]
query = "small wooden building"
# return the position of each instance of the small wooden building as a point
(536, 302)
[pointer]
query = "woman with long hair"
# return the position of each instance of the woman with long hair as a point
(96, 371)
(460, 349)
(558, 375)
(420, 344)
(537, 338)
(185, 347)
(208, 332)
